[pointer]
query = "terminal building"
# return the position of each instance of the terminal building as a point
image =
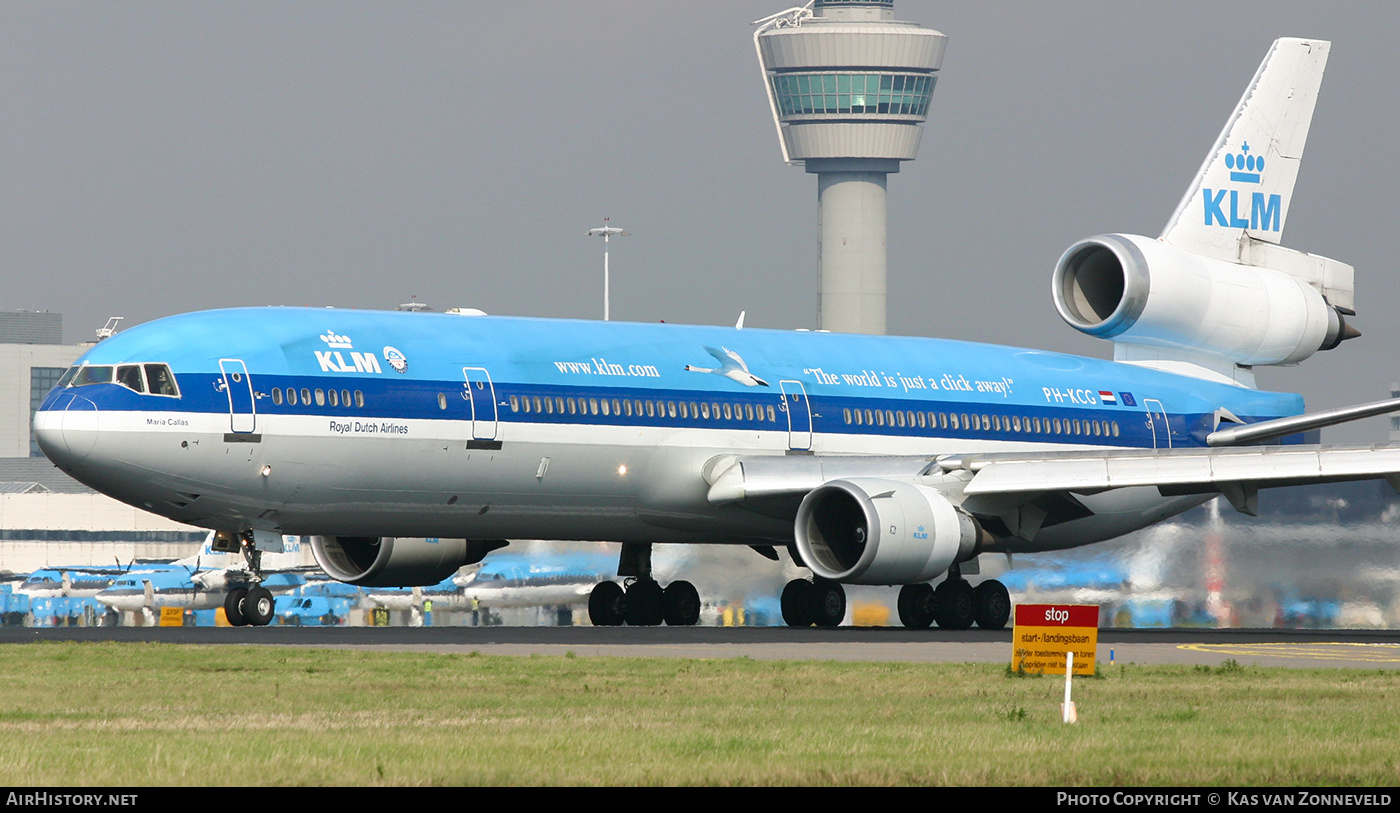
(849, 88)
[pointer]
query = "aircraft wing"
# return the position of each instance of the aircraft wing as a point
(1004, 480)
(1238, 473)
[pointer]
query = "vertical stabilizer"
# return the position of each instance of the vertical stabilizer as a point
(1242, 192)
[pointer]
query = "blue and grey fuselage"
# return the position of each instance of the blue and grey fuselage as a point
(363, 423)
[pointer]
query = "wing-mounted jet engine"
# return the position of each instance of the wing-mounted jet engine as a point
(1215, 294)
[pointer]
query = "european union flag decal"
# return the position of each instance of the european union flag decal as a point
(1128, 399)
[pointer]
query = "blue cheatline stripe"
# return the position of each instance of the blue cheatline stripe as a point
(417, 399)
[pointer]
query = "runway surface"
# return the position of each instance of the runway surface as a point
(1371, 649)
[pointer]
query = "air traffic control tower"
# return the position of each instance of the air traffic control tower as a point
(849, 87)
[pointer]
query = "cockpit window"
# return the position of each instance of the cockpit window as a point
(161, 380)
(129, 376)
(157, 378)
(92, 374)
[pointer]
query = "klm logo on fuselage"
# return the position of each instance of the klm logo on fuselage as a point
(332, 361)
(1265, 212)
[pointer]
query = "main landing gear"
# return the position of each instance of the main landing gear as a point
(819, 602)
(955, 604)
(643, 602)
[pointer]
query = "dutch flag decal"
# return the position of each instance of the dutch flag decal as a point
(1107, 397)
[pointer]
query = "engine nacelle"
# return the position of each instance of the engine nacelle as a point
(871, 531)
(389, 561)
(1137, 290)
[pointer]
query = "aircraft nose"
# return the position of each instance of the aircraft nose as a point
(67, 429)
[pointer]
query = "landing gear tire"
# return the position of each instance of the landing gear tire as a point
(258, 606)
(233, 606)
(991, 605)
(681, 604)
(917, 606)
(605, 605)
(797, 603)
(643, 604)
(828, 606)
(954, 602)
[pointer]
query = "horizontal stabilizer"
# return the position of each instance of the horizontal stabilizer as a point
(1294, 424)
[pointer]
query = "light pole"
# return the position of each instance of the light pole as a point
(606, 232)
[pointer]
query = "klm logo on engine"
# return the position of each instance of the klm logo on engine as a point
(332, 361)
(1265, 213)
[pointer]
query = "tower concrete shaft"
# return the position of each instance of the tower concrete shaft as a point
(849, 88)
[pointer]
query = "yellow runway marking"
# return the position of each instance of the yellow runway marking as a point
(1321, 651)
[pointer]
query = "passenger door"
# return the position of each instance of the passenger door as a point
(480, 394)
(236, 384)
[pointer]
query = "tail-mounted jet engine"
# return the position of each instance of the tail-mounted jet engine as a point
(388, 561)
(1135, 290)
(872, 531)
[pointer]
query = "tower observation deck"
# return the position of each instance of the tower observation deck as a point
(849, 87)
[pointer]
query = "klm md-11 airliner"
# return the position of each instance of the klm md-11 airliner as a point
(407, 445)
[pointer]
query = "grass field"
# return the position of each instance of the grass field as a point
(155, 714)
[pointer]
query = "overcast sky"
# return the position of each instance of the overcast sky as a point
(160, 157)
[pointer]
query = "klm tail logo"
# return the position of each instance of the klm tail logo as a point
(1265, 213)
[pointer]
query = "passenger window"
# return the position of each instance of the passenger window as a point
(359, 398)
(306, 396)
(277, 396)
(291, 397)
(320, 397)
(515, 403)
(442, 401)
(129, 376)
(847, 414)
(606, 411)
